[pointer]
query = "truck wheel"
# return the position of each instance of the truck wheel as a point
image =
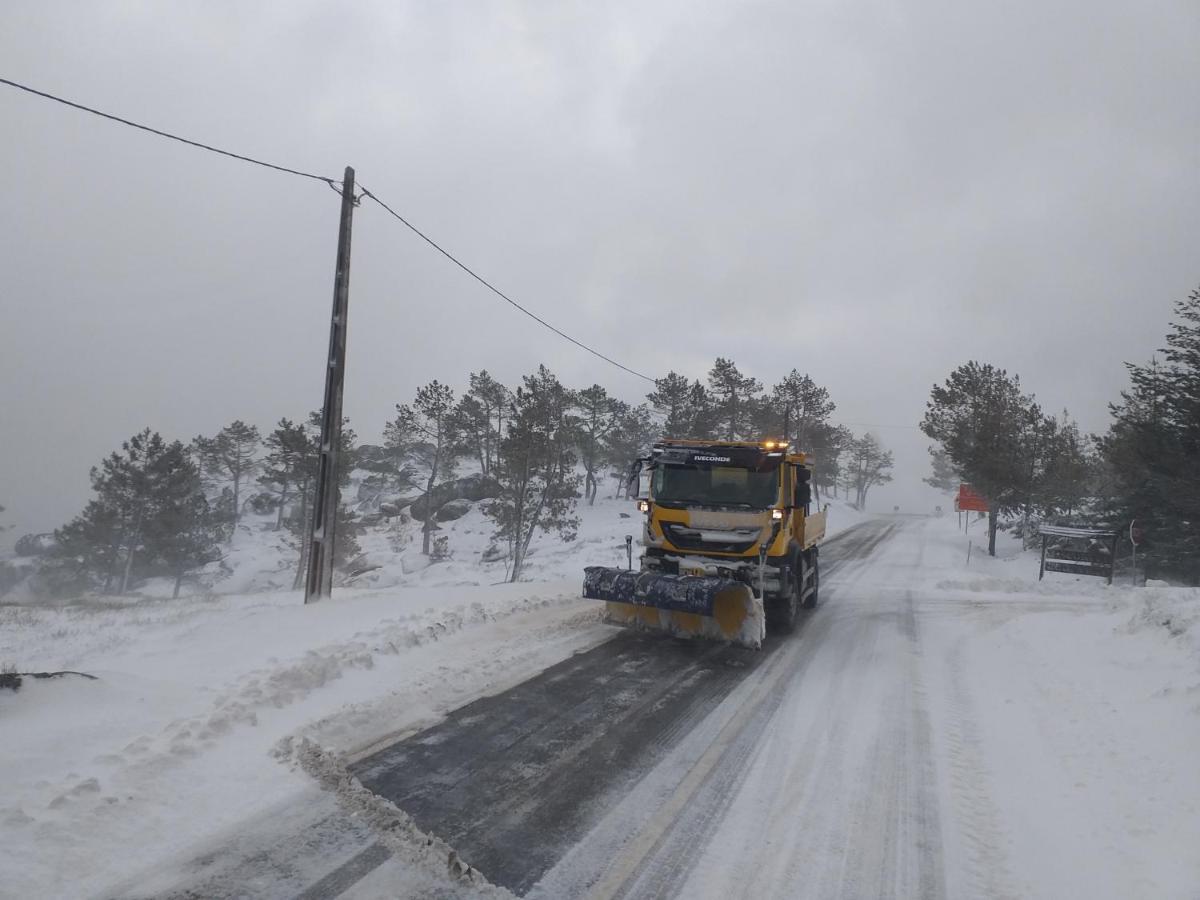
(814, 562)
(783, 612)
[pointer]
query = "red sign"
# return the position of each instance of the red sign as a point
(1136, 535)
(970, 500)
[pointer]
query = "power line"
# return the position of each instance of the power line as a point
(499, 293)
(333, 184)
(875, 425)
(174, 137)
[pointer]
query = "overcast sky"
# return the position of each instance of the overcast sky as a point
(869, 192)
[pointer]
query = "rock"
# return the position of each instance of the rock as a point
(472, 487)
(35, 544)
(374, 458)
(394, 505)
(455, 509)
(371, 487)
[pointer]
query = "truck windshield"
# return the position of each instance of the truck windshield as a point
(716, 486)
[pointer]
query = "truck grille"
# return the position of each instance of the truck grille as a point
(736, 540)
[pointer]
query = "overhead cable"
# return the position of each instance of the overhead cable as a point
(499, 293)
(174, 137)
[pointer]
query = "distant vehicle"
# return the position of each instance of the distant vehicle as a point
(729, 543)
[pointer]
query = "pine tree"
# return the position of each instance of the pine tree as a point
(802, 405)
(88, 548)
(181, 530)
(598, 415)
(230, 455)
(149, 509)
(299, 523)
(983, 421)
(829, 443)
(536, 469)
(1149, 455)
(289, 447)
(429, 429)
(1068, 477)
(869, 465)
(631, 438)
(942, 476)
(672, 399)
(479, 418)
(702, 413)
(733, 395)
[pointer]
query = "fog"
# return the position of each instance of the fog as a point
(872, 194)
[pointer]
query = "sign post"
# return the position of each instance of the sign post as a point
(1135, 537)
(969, 500)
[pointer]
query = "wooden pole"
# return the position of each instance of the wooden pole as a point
(319, 582)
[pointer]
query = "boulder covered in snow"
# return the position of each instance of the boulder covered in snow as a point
(455, 509)
(471, 487)
(392, 506)
(35, 544)
(374, 458)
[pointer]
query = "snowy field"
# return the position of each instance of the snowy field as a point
(1062, 718)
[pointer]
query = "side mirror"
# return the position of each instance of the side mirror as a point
(803, 495)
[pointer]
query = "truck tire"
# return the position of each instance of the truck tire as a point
(783, 612)
(814, 562)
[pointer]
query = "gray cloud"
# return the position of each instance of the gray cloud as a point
(872, 193)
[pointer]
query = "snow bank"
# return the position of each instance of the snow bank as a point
(178, 739)
(1075, 706)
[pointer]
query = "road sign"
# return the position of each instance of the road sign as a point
(1136, 534)
(970, 500)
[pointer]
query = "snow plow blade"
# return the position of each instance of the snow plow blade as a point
(687, 605)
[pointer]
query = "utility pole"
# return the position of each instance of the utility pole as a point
(319, 582)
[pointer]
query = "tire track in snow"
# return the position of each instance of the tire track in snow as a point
(975, 815)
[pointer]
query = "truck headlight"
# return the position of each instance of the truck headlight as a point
(777, 515)
(644, 506)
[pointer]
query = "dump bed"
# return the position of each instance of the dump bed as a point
(812, 530)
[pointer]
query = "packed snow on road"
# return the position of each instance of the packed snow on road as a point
(934, 728)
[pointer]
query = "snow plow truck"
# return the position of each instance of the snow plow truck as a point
(729, 544)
